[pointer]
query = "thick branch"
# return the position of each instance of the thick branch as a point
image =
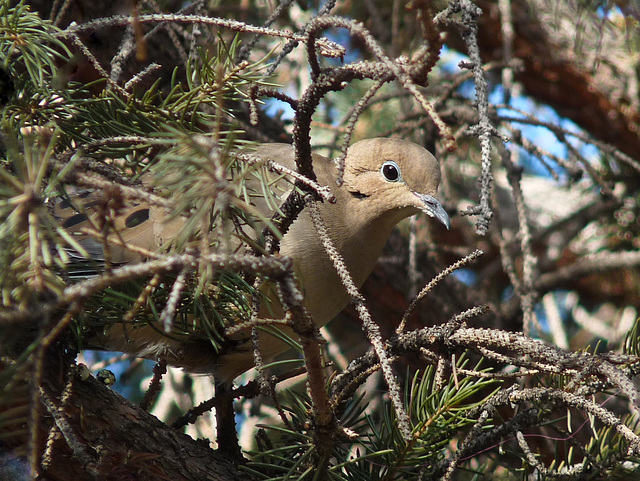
(127, 442)
(547, 76)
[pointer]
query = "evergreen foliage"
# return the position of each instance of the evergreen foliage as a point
(168, 125)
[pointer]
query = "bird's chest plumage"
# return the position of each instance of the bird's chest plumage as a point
(359, 249)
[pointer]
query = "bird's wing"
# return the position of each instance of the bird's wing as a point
(135, 225)
(102, 227)
(97, 220)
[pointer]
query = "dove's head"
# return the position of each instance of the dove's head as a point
(394, 176)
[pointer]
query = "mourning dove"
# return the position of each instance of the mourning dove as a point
(385, 181)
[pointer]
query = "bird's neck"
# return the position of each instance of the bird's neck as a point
(360, 244)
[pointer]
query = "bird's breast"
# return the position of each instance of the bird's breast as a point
(324, 293)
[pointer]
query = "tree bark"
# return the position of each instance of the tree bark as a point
(553, 78)
(113, 439)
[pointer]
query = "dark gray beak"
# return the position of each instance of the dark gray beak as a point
(434, 208)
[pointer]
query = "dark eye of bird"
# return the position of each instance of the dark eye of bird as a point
(390, 171)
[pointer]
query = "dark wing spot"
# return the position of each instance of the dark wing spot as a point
(74, 220)
(137, 218)
(63, 204)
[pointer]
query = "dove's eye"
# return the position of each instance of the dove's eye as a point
(391, 171)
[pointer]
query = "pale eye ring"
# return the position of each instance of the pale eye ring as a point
(391, 171)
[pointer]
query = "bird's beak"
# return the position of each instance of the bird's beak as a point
(434, 208)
